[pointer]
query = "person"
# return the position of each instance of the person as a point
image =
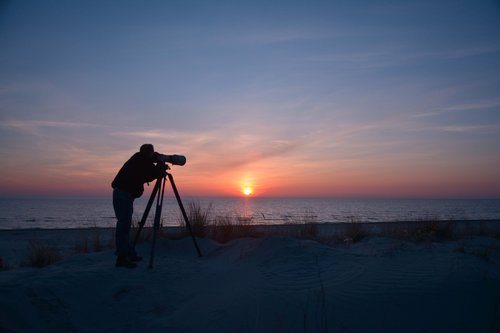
(127, 186)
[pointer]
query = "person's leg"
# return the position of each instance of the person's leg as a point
(123, 204)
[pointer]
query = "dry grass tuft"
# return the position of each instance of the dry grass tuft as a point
(145, 235)
(223, 229)
(306, 226)
(91, 241)
(41, 254)
(199, 218)
(3, 265)
(308, 231)
(353, 233)
(432, 230)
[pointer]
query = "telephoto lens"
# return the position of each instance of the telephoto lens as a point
(172, 159)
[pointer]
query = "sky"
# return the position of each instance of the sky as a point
(395, 99)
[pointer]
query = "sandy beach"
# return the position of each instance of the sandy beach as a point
(269, 283)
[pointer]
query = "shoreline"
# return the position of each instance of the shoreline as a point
(376, 227)
(292, 223)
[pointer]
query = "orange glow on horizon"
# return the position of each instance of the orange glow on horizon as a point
(263, 180)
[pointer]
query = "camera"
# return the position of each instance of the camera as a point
(172, 159)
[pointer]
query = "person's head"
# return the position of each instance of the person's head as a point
(147, 149)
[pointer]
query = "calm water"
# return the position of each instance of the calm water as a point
(70, 212)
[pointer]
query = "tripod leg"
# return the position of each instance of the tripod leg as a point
(156, 225)
(146, 211)
(183, 211)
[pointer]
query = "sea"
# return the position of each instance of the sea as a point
(85, 212)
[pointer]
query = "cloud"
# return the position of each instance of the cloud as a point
(46, 128)
(469, 52)
(468, 128)
(480, 105)
(371, 59)
(473, 106)
(24, 124)
(275, 36)
(149, 134)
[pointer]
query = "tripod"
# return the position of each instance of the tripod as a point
(158, 193)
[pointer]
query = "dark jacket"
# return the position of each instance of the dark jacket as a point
(139, 169)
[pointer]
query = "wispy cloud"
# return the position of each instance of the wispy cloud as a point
(23, 124)
(275, 36)
(480, 105)
(148, 134)
(473, 106)
(469, 52)
(385, 56)
(468, 128)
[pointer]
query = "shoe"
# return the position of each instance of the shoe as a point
(124, 262)
(134, 257)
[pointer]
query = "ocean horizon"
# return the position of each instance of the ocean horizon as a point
(69, 212)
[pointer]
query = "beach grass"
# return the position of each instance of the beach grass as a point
(92, 240)
(41, 254)
(3, 265)
(306, 227)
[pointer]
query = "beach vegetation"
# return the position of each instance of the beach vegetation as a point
(91, 240)
(41, 254)
(199, 218)
(433, 230)
(460, 248)
(353, 232)
(308, 230)
(97, 243)
(83, 245)
(306, 225)
(219, 228)
(3, 265)
(485, 252)
(223, 229)
(146, 234)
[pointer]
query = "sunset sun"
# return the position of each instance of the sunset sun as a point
(247, 190)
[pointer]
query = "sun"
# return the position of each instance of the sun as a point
(247, 190)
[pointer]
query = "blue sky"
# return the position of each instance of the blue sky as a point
(337, 98)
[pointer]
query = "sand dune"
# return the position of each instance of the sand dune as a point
(266, 284)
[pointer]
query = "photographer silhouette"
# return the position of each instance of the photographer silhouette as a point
(127, 186)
